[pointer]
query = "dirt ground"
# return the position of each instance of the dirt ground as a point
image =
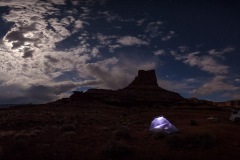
(87, 132)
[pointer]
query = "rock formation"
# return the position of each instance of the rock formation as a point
(144, 80)
(145, 86)
(143, 89)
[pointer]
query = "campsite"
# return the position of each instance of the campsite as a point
(100, 131)
(119, 80)
(127, 124)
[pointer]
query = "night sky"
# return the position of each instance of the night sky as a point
(49, 48)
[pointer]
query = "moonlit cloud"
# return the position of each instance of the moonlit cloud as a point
(231, 95)
(140, 21)
(3, 77)
(183, 48)
(113, 47)
(105, 39)
(109, 16)
(177, 86)
(17, 2)
(49, 48)
(191, 80)
(131, 41)
(216, 84)
(30, 59)
(237, 80)
(120, 74)
(153, 29)
(214, 52)
(205, 63)
(168, 36)
(159, 52)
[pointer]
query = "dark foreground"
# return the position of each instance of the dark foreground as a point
(108, 132)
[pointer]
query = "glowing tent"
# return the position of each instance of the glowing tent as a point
(161, 124)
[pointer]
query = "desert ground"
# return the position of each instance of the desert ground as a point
(100, 131)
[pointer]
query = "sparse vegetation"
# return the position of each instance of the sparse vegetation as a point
(69, 133)
(68, 127)
(122, 133)
(192, 141)
(116, 149)
(20, 148)
(194, 123)
(1, 151)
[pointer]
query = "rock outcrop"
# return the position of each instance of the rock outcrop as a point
(144, 80)
(142, 90)
(145, 87)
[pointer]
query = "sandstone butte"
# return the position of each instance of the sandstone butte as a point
(142, 91)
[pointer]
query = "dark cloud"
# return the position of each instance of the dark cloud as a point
(45, 93)
(28, 53)
(12, 94)
(18, 39)
(41, 93)
(109, 79)
(51, 59)
(27, 28)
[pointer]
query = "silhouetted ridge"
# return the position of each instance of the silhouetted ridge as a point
(143, 90)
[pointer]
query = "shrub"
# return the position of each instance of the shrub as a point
(193, 123)
(192, 141)
(21, 135)
(116, 150)
(121, 133)
(175, 142)
(20, 148)
(204, 140)
(1, 151)
(68, 127)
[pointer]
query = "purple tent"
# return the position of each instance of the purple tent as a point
(161, 124)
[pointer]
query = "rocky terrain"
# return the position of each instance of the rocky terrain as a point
(106, 124)
(100, 131)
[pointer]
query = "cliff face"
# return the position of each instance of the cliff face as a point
(144, 80)
(145, 86)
